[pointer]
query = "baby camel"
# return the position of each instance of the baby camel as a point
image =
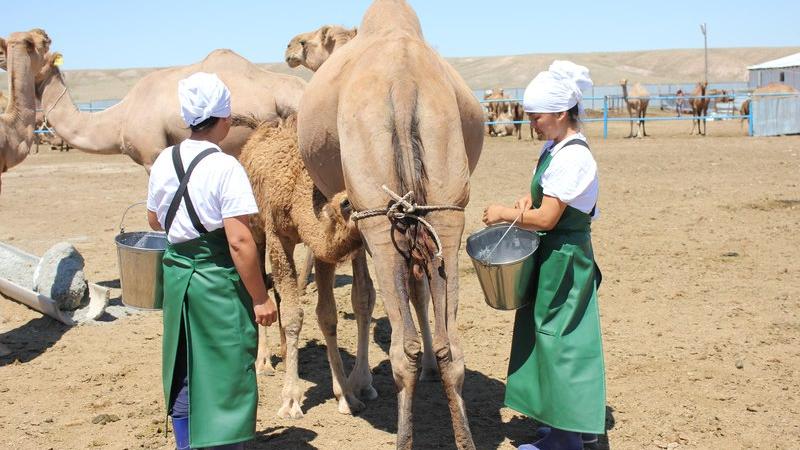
(291, 211)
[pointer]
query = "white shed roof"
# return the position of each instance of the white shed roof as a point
(786, 61)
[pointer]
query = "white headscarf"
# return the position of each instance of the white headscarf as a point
(558, 89)
(203, 95)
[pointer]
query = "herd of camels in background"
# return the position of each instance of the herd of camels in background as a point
(503, 117)
(288, 132)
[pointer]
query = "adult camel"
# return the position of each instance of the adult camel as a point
(699, 103)
(23, 57)
(386, 110)
(313, 48)
(147, 119)
(637, 105)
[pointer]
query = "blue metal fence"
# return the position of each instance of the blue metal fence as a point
(772, 112)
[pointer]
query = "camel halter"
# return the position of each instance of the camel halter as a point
(402, 208)
(50, 109)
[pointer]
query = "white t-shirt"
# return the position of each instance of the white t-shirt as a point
(219, 189)
(572, 175)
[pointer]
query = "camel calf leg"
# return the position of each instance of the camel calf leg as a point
(285, 274)
(326, 316)
(362, 298)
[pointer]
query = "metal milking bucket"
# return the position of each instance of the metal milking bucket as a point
(505, 273)
(139, 255)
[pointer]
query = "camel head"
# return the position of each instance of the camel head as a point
(337, 225)
(48, 70)
(623, 82)
(313, 48)
(35, 43)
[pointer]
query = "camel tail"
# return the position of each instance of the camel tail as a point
(411, 173)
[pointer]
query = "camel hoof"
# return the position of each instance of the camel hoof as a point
(352, 406)
(290, 410)
(368, 393)
(264, 368)
(429, 375)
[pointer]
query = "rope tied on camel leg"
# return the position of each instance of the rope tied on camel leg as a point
(404, 207)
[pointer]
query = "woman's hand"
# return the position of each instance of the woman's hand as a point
(266, 313)
(494, 214)
(524, 203)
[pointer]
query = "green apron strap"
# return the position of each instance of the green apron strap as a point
(182, 192)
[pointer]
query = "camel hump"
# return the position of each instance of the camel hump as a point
(223, 55)
(389, 17)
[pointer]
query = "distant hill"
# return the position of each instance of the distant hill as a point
(656, 66)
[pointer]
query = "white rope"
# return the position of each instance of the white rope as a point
(404, 208)
(50, 109)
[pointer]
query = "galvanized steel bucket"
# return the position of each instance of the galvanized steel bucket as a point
(507, 276)
(139, 256)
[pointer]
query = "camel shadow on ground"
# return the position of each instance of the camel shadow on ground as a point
(31, 340)
(432, 426)
(295, 438)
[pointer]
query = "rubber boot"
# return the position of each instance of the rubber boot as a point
(555, 439)
(181, 429)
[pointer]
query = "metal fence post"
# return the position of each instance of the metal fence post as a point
(750, 117)
(605, 117)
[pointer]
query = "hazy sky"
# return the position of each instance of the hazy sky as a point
(112, 34)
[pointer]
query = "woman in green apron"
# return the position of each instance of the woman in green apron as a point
(556, 373)
(214, 293)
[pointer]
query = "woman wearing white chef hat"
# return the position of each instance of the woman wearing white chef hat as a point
(556, 372)
(214, 293)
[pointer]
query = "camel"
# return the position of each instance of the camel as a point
(637, 105)
(148, 120)
(292, 211)
(501, 129)
(313, 48)
(24, 56)
(771, 88)
(512, 109)
(3, 101)
(699, 103)
(388, 96)
(718, 96)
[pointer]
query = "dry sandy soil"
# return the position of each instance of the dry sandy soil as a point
(700, 308)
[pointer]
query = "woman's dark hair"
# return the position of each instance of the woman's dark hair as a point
(206, 124)
(574, 115)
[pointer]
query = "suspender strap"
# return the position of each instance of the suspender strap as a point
(582, 143)
(182, 193)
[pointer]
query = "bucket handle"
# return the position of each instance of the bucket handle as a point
(121, 228)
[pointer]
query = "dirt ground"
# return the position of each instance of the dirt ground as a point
(697, 241)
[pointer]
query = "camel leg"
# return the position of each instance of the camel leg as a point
(449, 354)
(285, 274)
(263, 363)
(302, 280)
(362, 297)
(420, 296)
(644, 122)
(392, 272)
(630, 135)
(326, 316)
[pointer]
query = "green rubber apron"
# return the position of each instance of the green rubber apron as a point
(556, 373)
(203, 290)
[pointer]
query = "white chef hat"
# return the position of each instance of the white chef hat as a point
(557, 89)
(203, 95)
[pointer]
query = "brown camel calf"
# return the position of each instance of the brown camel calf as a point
(292, 211)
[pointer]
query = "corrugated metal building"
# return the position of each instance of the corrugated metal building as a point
(784, 70)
